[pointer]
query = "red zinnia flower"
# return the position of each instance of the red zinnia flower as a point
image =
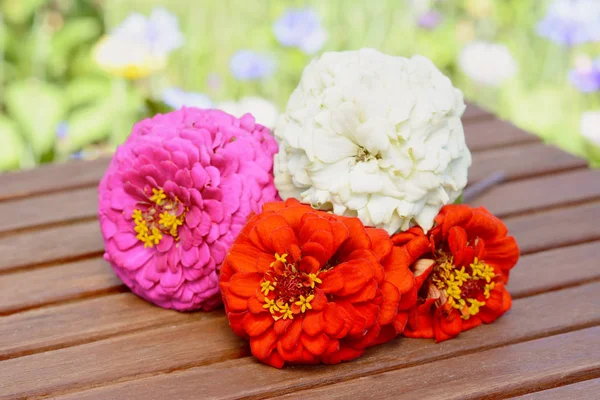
(305, 286)
(462, 269)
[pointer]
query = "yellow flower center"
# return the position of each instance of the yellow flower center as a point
(466, 288)
(161, 216)
(286, 290)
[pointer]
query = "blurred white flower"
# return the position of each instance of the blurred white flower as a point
(139, 46)
(374, 136)
(263, 110)
(177, 98)
(301, 28)
(487, 63)
(590, 126)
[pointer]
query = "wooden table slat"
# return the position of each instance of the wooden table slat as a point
(55, 244)
(475, 112)
(515, 369)
(522, 161)
(572, 308)
(32, 288)
(176, 345)
(57, 207)
(560, 227)
(586, 390)
(541, 192)
(488, 134)
(83, 321)
(52, 177)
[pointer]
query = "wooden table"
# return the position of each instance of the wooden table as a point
(70, 330)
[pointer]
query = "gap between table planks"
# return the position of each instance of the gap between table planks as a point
(100, 333)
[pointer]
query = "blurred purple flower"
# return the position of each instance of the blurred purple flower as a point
(159, 32)
(214, 81)
(177, 98)
(586, 78)
(248, 65)
(570, 22)
(430, 20)
(300, 27)
(62, 129)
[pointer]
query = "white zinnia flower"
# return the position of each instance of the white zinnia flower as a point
(487, 63)
(263, 110)
(590, 126)
(370, 135)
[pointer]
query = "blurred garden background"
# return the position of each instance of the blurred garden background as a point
(76, 74)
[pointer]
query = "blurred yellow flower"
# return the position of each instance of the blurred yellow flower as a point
(125, 58)
(480, 8)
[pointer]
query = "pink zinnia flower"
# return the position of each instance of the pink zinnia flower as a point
(174, 198)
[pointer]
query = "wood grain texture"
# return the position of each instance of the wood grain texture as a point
(493, 133)
(529, 318)
(586, 390)
(555, 269)
(47, 209)
(82, 322)
(206, 340)
(27, 289)
(522, 161)
(52, 177)
(500, 372)
(50, 245)
(541, 192)
(546, 230)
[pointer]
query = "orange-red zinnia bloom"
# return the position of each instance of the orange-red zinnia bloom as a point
(305, 286)
(461, 268)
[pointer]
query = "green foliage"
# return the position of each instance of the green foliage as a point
(11, 145)
(37, 107)
(48, 74)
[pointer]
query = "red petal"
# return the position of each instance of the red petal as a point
(315, 344)
(320, 300)
(400, 321)
(359, 322)
(471, 323)
(313, 323)
(290, 355)
(317, 251)
(353, 276)
(309, 265)
(263, 345)
(245, 284)
(484, 225)
(367, 293)
(257, 324)
(281, 326)
(380, 241)
(344, 354)
(446, 327)
(453, 215)
(290, 339)
(235, 321)
(397, 270)
(255, 306)
(333, 281)
(334, 318)
(369, 311)
(357, 238)
(235, 303)
(457, 241)
(389, 307)
(242, 257)
(274, 360)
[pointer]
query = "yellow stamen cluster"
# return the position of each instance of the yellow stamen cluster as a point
(147, 230)
(453, 281)
(295, 293)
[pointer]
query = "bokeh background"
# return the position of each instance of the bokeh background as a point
(76, 74)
